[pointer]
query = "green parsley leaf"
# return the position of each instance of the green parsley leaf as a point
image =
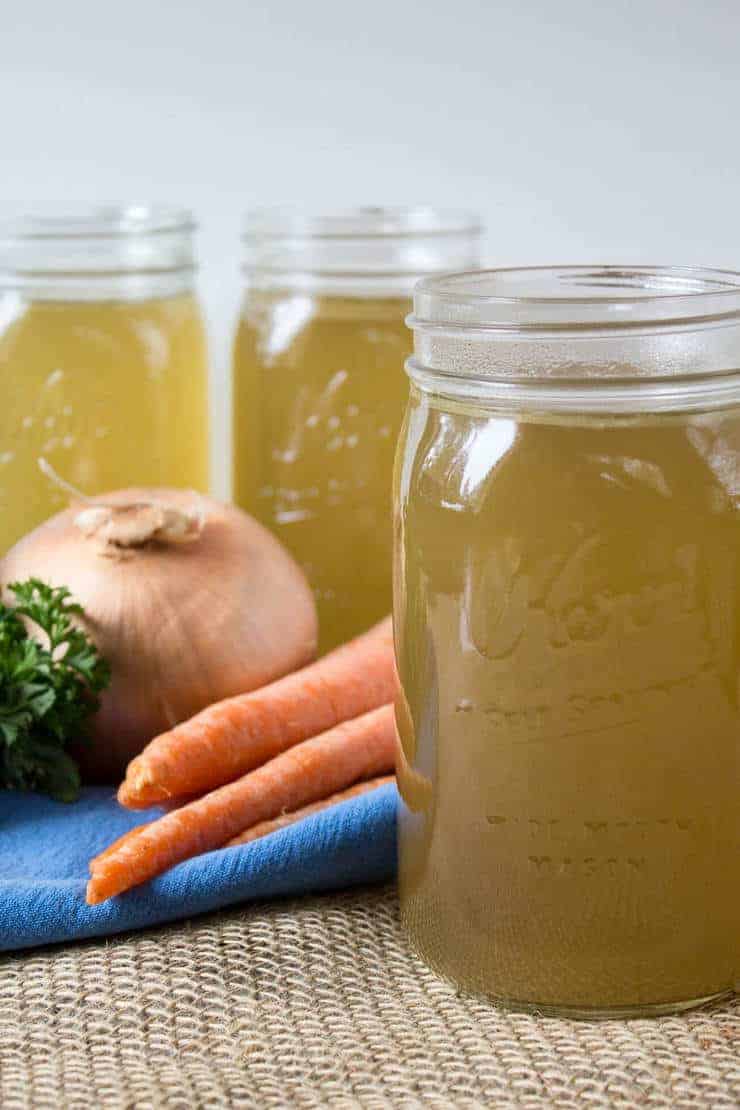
(51, 676)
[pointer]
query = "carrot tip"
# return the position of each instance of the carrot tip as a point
(133, 795)
(92, 896)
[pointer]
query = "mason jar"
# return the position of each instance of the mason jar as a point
(103, 364)
(567, 615)
(319, 388)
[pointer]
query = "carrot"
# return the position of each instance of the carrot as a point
(116, 843)
(238, 734)
(265, 828)
(354, 750)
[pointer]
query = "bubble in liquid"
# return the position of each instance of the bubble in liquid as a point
(6, 457)
(27, 422)
(54, 378)
(288, 456)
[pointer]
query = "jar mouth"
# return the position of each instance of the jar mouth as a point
(577, 298)
(379, 222)
(356, 252)
(106, 221)
(581, 338)
(108, 251)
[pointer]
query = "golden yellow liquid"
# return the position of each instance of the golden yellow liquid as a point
(568, 637)
(111, 393)
(319, 395)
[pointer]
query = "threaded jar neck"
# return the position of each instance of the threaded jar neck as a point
(116, 252)
(587, 338)
(358, 252)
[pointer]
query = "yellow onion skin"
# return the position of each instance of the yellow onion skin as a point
(181, 624)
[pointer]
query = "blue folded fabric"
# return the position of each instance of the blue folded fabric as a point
(45, 848)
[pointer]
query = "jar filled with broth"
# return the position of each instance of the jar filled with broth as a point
(319, 388)
(567, 615)
(103, 365)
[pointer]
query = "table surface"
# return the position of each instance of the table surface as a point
(318, 1002)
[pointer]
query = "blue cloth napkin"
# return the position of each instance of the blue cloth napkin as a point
(45, 847)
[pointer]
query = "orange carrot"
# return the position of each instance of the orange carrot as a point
(264, 828)
(115, 845)
(238, 734)
(354, 750)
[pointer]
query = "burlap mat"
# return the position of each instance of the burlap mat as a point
(319, 1003)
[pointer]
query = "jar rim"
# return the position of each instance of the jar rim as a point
(552, 298)
(97, 252)
(109, 221)
(363, 222)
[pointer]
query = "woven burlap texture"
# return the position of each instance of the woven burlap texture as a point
(320, 1003)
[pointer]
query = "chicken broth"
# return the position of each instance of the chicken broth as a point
(111, 393)
(319, 394)
(568, 641)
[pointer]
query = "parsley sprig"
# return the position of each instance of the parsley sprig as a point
(49, 689)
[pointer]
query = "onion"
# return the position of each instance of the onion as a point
(190, 600)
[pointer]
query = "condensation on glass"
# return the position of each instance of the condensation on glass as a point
(319, 388)
(567, 614)
(103, 364)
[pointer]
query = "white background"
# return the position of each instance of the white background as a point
(581, 129)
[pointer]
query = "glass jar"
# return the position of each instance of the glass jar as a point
(319, 388)
(103, 364)
(567, 615)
